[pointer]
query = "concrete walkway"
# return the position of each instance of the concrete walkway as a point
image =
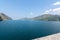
(50, 37)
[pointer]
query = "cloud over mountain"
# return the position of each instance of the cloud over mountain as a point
(53, 11)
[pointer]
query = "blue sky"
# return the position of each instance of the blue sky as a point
(18, 9)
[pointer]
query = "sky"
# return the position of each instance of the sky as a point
(17, 9)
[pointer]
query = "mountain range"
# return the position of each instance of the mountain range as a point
(44, 17)
(4, 17)
(48, 17)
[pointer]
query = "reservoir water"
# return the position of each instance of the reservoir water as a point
(27, 29)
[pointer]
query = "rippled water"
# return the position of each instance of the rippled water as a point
(27, 29)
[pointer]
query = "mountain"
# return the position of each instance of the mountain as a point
(48, 17)
(4, 17)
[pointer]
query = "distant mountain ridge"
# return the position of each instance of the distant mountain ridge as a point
(4, 17)
(44, 17)
(48, 17)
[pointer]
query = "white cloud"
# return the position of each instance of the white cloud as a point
(56, 3)
(31, 13)
(48, 11)
(56, 10)
(53, 11)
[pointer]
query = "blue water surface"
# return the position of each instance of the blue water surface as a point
(27, 29)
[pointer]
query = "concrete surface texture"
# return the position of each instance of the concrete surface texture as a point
(50, 37)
